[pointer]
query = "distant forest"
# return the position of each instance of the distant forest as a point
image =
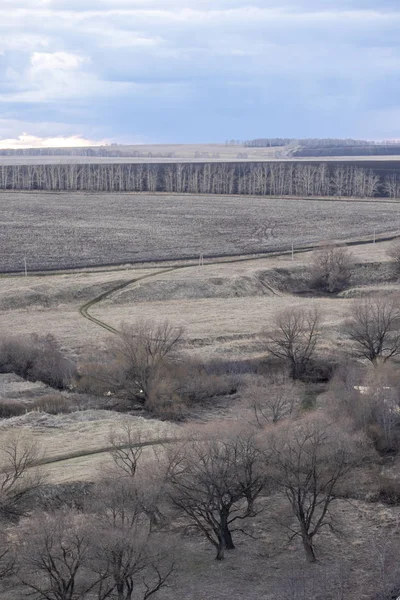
(93, 151)
(309, 142)
(265, 179)
(327, 147)
(370, 150)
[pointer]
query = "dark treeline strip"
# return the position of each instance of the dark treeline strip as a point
(370, 150)
(265, 179)
(311, 143)
(97, 151)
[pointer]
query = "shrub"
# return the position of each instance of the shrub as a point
(165, 402)
(97, 378)
(11, 408)
(52, 405)
(36, 358)
(331, 268)
(389, 491)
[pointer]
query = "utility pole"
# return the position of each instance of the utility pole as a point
(201, 260)
(374, 235)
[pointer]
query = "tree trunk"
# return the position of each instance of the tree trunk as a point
(229, 545)
(225, 533)
(220, 550)
(308, 548)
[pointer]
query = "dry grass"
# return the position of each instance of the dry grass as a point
(81, 432)
(64, 289)
(223, 306)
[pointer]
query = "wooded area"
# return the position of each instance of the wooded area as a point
(265, 179)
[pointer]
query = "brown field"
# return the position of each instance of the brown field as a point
(59, 231)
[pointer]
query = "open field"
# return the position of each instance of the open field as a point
(224, 307)
(55, 231)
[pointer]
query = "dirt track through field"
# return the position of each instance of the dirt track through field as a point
(82, 454)
(84, 309)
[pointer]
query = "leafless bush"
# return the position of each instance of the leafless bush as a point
(38, 359)
(18, 477)
(11, 408)
(165, 402)
(127, 556)
(273, 398)
(144, 349)
(373, 328)
(331, 268)
(100, 378)
(295, 339)
(127, 448)
(389, 490)
(53, 405)
(370, 397)
(54, 557)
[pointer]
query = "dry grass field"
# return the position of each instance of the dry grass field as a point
(223, 307)
(56, 231)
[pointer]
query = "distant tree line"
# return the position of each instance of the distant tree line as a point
(356, 150)
(97, 152)
(267, 142)
(308, 142)
(264, 179)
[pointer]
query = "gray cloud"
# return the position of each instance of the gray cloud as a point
(335, 58)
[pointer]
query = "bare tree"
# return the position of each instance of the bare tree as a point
(128, 446)
(215, 484)
(128, 559)
(53, 557)
(7, 557)
(308, 460)
(272, 398)
(18, 477)
(295, 339)
(144, 348)
(373, 328)
(331, 268)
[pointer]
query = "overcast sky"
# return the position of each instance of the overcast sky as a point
(199, 70)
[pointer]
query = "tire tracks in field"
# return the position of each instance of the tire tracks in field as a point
(84, 309)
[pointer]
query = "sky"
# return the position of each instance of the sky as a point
(77, 72)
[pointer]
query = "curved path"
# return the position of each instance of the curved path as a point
(84, 309)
